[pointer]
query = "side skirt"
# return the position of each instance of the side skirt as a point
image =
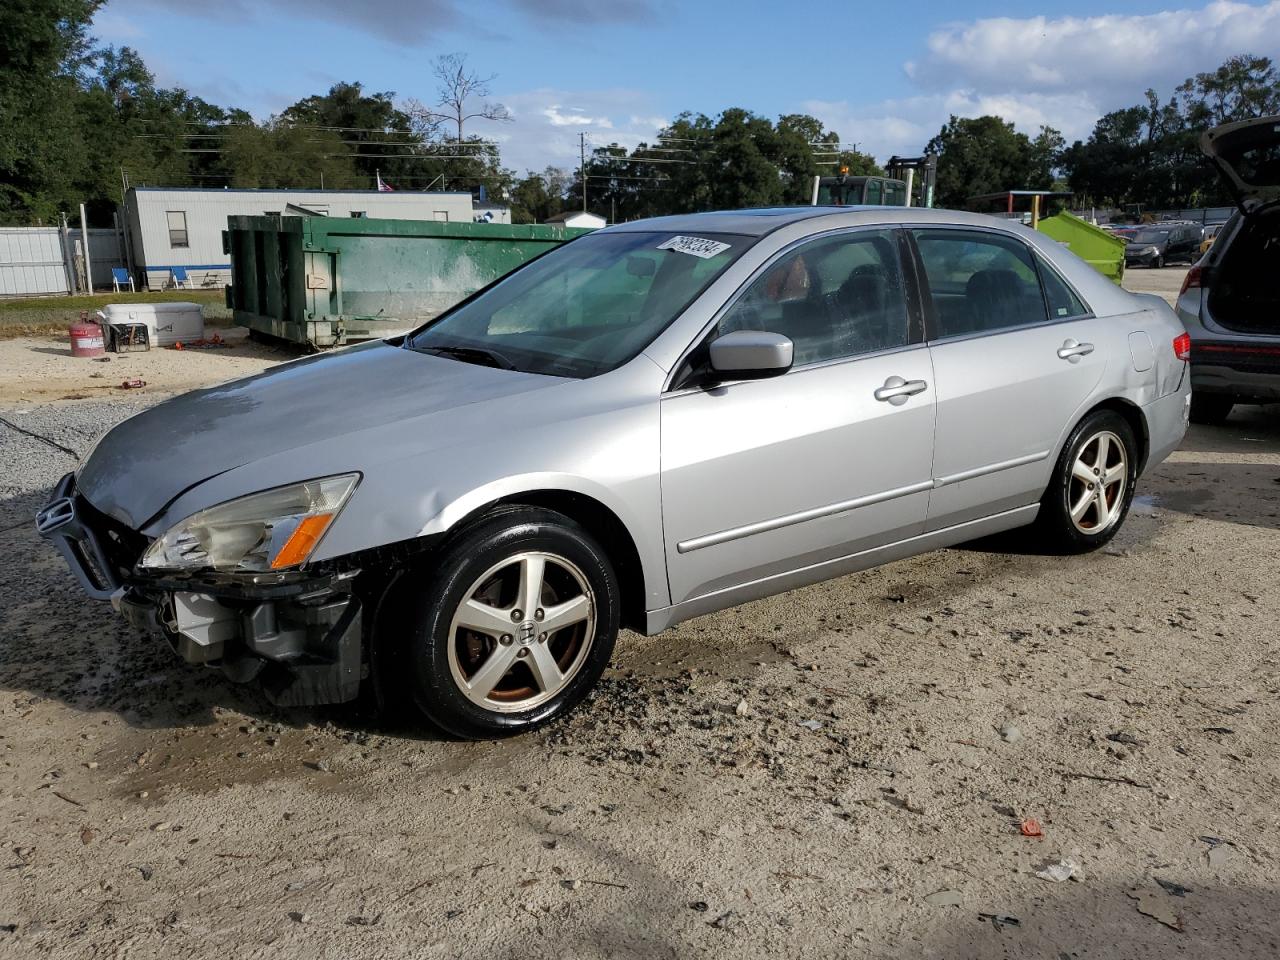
(659, 620)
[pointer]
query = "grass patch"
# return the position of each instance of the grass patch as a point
(40, 316)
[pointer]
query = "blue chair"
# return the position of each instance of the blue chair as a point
(120, 277)
(178, 276)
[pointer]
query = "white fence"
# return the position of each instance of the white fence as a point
(34, 261)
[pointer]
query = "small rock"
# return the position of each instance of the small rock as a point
(297, 917)
(742, 709)
(1010, 734)
(160, 827)
(571, 884)
(700, 905)
(944, 898)
(92, 765)
(147, 872)
(86, 836)
(811, 725)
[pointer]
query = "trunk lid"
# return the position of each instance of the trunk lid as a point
(1247, 155)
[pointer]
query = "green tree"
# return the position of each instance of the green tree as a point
(980, 155)
(376, 135)
(44, 46)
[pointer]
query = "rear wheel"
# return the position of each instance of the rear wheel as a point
(1210, 408)
(1092, 485)
(513, 627)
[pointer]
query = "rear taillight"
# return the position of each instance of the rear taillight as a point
(1182, 346)
(1194, 280)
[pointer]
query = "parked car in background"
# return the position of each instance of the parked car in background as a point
(1210, 234)
(1158, 244)
(1230, 300)
(652, 422)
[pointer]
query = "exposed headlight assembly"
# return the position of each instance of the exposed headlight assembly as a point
(274, 530)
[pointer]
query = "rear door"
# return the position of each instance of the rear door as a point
(1015, 354)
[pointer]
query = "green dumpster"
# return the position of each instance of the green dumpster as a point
(1098, 248)
(323, 281)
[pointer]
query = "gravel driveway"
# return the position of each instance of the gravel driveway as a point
(840, 771)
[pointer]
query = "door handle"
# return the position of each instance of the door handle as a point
(1073, 351)
(896, 390)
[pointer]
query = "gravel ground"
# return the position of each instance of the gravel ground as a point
(839, 771)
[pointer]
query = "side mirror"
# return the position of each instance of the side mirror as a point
(751, 355)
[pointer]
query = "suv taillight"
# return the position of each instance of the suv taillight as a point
(1182, 346)
(1194, 280)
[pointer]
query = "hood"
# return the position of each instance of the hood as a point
(148, 460)
(1247, 155)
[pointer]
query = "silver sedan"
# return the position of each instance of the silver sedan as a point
(650, 423)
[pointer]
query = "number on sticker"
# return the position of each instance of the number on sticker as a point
(694, 246)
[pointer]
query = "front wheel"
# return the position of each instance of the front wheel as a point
(1092, 485)
(512, 628)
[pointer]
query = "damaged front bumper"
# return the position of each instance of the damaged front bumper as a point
(299, 634)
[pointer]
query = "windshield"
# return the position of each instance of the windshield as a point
(1151, 236)
(586, 307)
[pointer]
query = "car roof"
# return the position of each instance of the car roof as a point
(758, 222)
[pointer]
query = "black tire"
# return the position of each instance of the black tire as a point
(1159, 264)
(1054, 525)
(1211, 408)
(412, 652)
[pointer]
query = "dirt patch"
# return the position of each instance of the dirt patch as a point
(839, 771)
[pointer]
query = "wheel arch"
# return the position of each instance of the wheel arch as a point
(597, 519)
(1136, 419)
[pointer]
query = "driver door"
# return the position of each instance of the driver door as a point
(763, 477)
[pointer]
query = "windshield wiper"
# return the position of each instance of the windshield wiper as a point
(478, 355)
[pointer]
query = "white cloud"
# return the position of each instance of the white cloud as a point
(546, 123)
(1062, 72)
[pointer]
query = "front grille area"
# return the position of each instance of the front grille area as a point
(122, 545)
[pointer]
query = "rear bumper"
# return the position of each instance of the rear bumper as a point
(1237, 368)
(301, 635)
(1166, 425)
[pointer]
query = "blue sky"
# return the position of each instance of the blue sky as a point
(884, 77)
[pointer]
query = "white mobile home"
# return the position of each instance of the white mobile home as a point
(183, 227)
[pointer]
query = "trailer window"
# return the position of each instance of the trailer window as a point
(177, 228)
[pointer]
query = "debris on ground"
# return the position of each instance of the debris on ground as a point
(1010, 734)
(1000, 920)
(1060, 871)
(133, 384)
(1171, 888)
(811, 724)
(1030, 827)
(944, 898)
(1157, 907)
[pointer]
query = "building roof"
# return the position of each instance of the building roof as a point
(261, 190)
(567, 215)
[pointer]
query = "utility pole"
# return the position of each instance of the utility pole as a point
(582, 168)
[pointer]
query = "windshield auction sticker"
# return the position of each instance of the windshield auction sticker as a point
(694, 246)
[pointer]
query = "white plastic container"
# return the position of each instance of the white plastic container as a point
(167, 322)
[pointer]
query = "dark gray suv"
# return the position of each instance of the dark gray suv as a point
(1230, 301)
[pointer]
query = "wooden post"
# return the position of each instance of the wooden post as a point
(1035, 212)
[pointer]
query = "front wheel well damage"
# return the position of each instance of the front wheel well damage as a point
(382, 568)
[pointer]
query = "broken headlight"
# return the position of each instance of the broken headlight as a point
(273, 530)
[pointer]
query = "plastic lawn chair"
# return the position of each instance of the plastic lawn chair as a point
(120, 277)
(178, 276)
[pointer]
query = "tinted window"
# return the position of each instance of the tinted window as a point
(1062, 300)
(835, 297)
(979, 282)
(585, 307)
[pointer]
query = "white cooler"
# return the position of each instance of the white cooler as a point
(167, 321)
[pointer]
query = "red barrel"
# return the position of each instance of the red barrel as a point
(86, 339)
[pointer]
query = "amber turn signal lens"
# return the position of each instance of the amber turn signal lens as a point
(302, 541)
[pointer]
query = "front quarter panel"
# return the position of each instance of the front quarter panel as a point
(422, 476)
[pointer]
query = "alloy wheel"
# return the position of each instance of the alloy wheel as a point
(522, 632)
(1099, 475)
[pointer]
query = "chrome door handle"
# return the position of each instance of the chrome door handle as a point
(896, 390)
(1074, 351)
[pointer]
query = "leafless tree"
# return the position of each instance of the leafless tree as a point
(462, 93)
